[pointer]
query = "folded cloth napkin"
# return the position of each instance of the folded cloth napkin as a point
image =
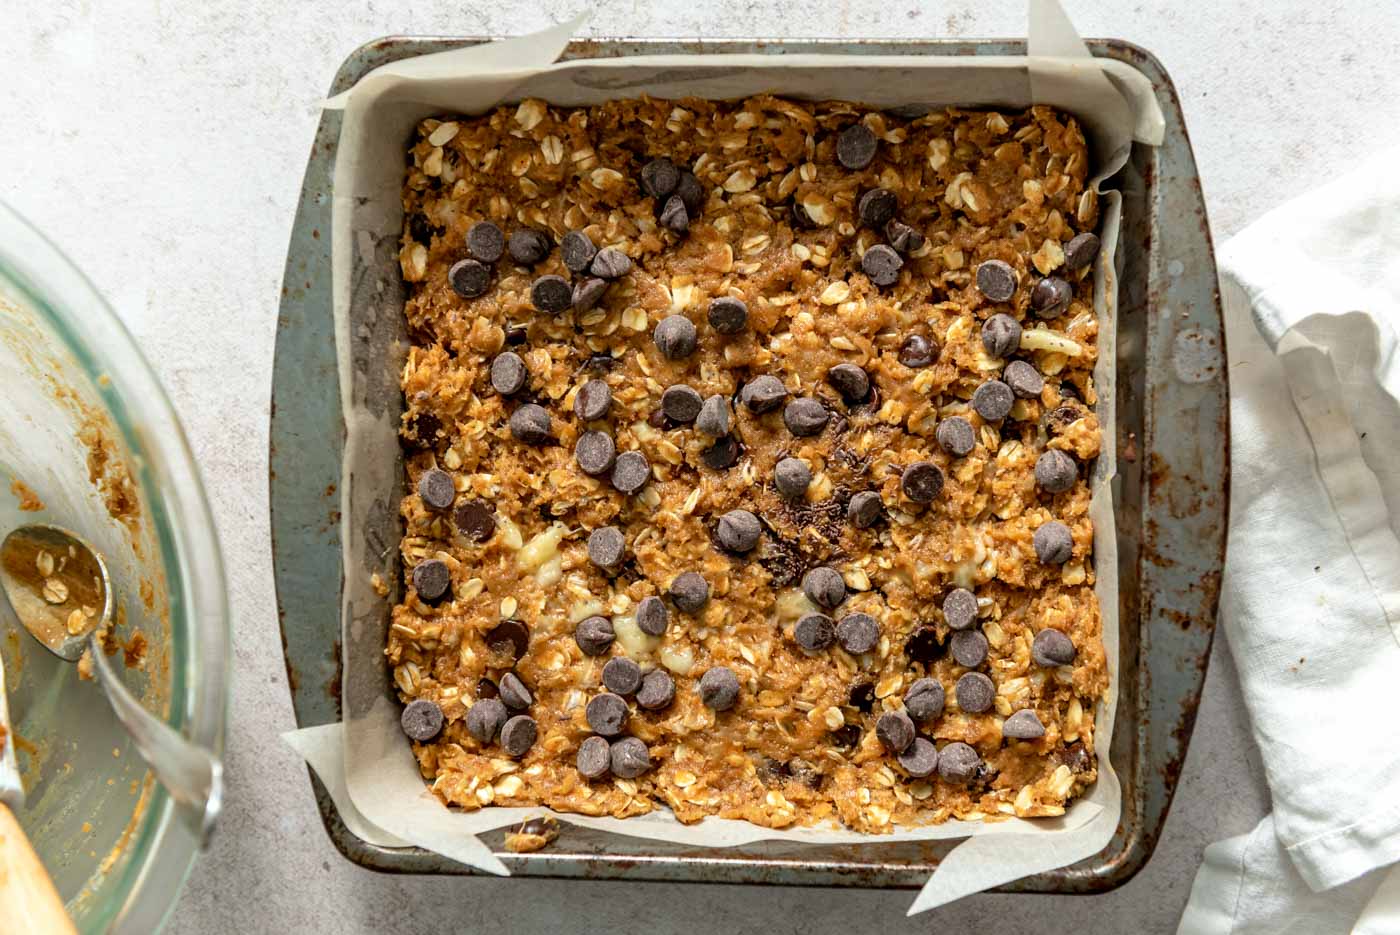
(1311, 595)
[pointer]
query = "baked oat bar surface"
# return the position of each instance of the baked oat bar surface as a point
(989, 218)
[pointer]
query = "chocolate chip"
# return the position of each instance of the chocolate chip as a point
(469, 279)
(996, 280)
(1081, 251)
(1050, 297)
(587, 293)
(921, 481)
(763, 394)
(924, 700)
(595, 453)
(858, 633)
(975, 692)
(421, 720)
(622, 675)
(423, 428)
(902, 237)
(530, 424)
(960, 609)
(865, 509)
(577, 251)
(1023, 725)
(1055, 471)
(681, 404)
(814, 632)
(895, 731)
(593, 758)
(516, 334)
(993, 400)
(920, 758)
(845, 737)
(738, 531)
(508, 373)
(674, 217)
(485, 719)
(824, 587)
(675, 337)
(855, 147)
(610, 263)
(792, 477)
(594, 635)
(652, 616)
(691, 193)
(509, 637)
(551, 294)
(924, 646)
(806, 416)
(514, 694)
(968, 648)
(528, 247)
(432, 580)
(1001, 335)
(719, 688)
(877, 207)
(714, 418)
(724, 453)
(435, 489)
(1051, 648)
(958, 762)
(660, 177)
(630, 472)
(861, 696)
(518, 735)
(606, 547)
(882, 265)
(728, 315)
(658, 690)
(593, 400)
(485, 688)
(628, 758)
(850, 381)
(606, 714)
(918, 351)
(1053, 543)
(956, 436)
(1025, 381)
(485, 242)
(690, 592)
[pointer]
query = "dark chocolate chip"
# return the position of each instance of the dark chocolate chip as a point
(861, 696)
(1081, 251)
(918, 351)
(805, 416)
(652, 616)
(485, 242)
(719, 688)
(738, 531)
(435, 489)
(509, 636)
(516, 334)
(824, 587)
(996, 280)
(882, 264)
(1055, 471)
(421, 720)
(658, 690)
(675, 337)
(921, 482)
(1001, 335)
(622, 675)
(593, 400)
(763, 394)
(845, 737)
(877, 207)
(1053, 543)
(960, 609)
(528, 247)
(606, 547)
(724, 453)
(508, 373)
(577, 251)
(920, 758)
(469, 279)
(975, 692)
(594, 635)
(895, 730)
(956, 436)
(690, 592)
(423, 428)
(1050, 297)
(855, 147)
(660, 177)
(628, 758)
(595, 453)
(485, 688)
(681, 403)
(1051, 648)
(850, 381)
(674, 217)
(610, 263)
(514, 694)
(593, 758)
(691, 193)
(530, 424)
(958, 762)
(587, 293)
(814, 632)
(924, 646)
(728, 315)
(1023, 725)
(518, 735)
(432, 580)
(924, 700)
(993, 400)
(858, 633)
(902, 237)
(551, 294)
(630, 472)
(485, 719)
(1025, 381)
(792, 477)
(968, 648)
(715, 418)
(865, 509)
(606, 714)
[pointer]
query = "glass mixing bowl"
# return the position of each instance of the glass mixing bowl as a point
(89, 441)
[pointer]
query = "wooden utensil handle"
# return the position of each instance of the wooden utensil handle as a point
(28, 901)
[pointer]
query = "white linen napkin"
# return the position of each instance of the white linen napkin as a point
(1311, 595)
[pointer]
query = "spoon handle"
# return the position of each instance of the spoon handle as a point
(190, 774)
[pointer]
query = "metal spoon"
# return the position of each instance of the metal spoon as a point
(64, 605)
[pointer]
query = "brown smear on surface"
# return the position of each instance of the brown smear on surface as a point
(29, 501)
(110, 475)
(134, 653)
(117, 849)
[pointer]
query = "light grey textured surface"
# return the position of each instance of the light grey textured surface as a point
(161, 144)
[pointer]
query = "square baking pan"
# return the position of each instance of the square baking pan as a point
(1170, 495)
